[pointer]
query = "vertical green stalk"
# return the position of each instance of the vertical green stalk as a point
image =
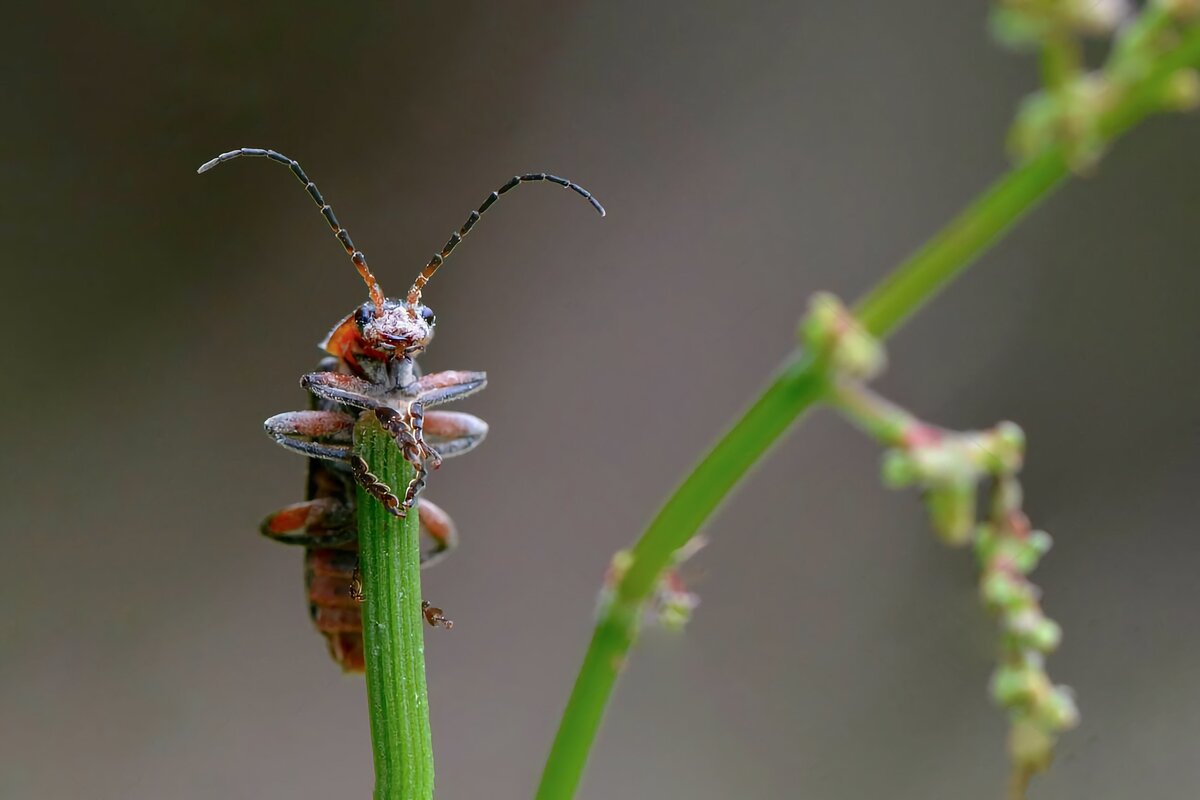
(393, 632)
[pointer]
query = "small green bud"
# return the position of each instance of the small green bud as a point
(952, 511)
(1030, 628)
(899, 469)
(859, 355)
(830, 328)
(1040, 541)
(1007, 447)
(1035, 126)
(673, 618)
(819, 327)
(1014, 686)
(622, 560)
(1045, 636)
(675, 610)
(1057, 709)
(1069, 116)
(1020, 553)
(1005, 592)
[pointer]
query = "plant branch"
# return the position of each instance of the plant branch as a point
(800, 383)
(393, 636)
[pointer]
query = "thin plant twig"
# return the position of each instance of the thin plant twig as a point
(801, 383)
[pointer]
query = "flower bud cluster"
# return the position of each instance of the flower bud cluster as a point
(1008, 549)
(1071, 109)
(671, 605)
(1070, 116)
(831, 331)
(948, 467)
(1025, 23)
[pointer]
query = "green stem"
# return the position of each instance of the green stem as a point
(954, 248)
(799, 384)
(875, 415)
(393, 635)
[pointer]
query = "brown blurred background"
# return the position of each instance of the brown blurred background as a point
(153, 645)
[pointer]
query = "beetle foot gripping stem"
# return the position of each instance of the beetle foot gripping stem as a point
(435, 616)
(408, 430)
(356, 586)
(375, 487)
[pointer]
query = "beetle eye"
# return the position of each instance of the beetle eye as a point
(427, 315)
(363, 315)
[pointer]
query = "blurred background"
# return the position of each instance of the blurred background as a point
(154, 645)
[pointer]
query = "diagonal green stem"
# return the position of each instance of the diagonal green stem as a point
(798, 385)
(393, 635)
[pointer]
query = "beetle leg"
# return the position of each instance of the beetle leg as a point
(297, 430)
(452, 433)
(442, 387)
(324, 521)
(415, 486)
(342, 389)
(408, 430)
(375, 487)
(437, 525)
(327, 522)
(356, 588)
(435, 616)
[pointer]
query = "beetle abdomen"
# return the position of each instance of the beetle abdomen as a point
(328, 578)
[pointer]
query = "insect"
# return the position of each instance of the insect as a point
(370, 368)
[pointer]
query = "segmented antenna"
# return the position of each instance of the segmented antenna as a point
(360, 261)
(414, 294)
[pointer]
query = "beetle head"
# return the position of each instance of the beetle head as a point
(398, 330)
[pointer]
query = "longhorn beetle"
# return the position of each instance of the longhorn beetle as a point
(370, 368)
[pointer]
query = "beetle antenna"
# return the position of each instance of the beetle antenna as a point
(360, 261)
(414, 294)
